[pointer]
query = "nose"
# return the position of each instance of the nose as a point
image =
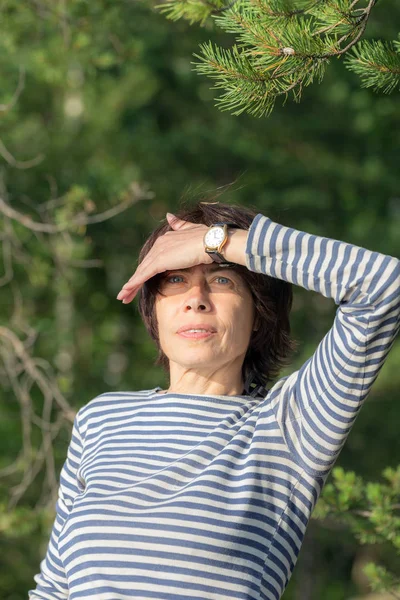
(197, 298)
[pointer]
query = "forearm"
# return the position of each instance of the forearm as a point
(347, 273)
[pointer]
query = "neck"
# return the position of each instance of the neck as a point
(217, 383)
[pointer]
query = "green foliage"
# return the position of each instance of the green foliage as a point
(372, 512)
(377, 63)
(102, 126)
(381, 580)
(21, 521)
(283, 46)
(339, 16)
(267, 66)
(194, 12)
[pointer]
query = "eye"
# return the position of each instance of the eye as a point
(226, 278)
(170, 277)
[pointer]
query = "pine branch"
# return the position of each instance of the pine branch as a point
(282, 46)
(193, 10)
(369, 510)
(246, 88)
(377, 63)
(267, 41)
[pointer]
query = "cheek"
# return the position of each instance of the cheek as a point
(240, 320)
(163, 314)
(159, 317)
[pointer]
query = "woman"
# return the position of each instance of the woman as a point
(204, 490)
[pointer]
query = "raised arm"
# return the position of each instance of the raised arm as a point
(51, 582)
(317, 405)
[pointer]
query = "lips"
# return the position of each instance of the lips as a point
(196, 335)
(206, 326)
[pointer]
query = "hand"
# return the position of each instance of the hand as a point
(178, 249)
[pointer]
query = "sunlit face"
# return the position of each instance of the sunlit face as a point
(205, 295)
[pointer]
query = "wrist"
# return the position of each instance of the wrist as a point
(234, 249)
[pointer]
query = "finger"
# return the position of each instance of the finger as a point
(139, 278)
(141, 270)
(123, 294)
(129, 297)
(145, 271)
(128, 294)
(177, 223)
(128, 287)
(149, 262)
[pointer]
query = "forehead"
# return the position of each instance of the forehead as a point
(212, 268)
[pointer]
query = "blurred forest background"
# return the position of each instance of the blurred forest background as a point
(104, 128)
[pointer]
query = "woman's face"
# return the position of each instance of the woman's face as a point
(210, 296)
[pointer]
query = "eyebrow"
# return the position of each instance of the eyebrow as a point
(206, 268)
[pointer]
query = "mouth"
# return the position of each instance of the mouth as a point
(196, 335)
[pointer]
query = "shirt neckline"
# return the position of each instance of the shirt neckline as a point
(155, 390)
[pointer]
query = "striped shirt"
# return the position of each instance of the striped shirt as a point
(199, 497)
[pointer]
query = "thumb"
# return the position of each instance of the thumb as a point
(175, 222)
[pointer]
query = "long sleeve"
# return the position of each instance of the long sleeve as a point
(51, 582)
(317, 405)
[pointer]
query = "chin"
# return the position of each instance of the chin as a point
(192, 357)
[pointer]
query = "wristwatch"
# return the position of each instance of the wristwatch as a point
(214, 240)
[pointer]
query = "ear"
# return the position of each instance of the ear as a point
(177, 223)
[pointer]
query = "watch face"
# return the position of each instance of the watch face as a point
(214, 237)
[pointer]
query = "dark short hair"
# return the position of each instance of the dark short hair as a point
(271, 346)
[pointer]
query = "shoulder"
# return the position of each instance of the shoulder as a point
(108, 402)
